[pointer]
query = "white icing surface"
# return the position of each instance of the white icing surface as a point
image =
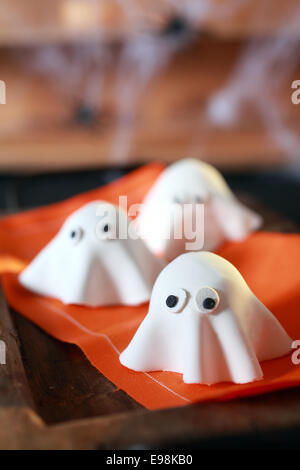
(191, 181)
(82, 264)
(224, 342)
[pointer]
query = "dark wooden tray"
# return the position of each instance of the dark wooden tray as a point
(52, 398)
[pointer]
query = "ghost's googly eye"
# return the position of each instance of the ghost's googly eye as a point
(176, 300)
(206, 300)
(105, 231)
(76, 235)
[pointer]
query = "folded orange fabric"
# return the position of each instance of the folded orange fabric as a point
(269, 263)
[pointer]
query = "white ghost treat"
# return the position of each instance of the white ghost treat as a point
(205, 323)
(162, 225)
(88, 263)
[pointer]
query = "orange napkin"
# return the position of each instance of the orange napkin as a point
(268, 261)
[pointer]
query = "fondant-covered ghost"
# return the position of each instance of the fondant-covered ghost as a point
(205, 323)
(185, 185)
(95, 259)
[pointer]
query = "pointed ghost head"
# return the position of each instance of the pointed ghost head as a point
(205, 323)
(211, 212)
(95, 259)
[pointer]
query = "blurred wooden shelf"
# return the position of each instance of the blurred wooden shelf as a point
(35, 22)
(51, 397)
(41, 125)
(53, 121)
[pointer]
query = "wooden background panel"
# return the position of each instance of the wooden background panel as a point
(44, 125)
(14, 388)
(75, 407)
(31, 21)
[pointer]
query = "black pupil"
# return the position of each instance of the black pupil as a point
(105, 228)
(73, 234)
(209, 303)
(171, 301)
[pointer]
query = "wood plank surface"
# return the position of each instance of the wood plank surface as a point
(65, 386)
